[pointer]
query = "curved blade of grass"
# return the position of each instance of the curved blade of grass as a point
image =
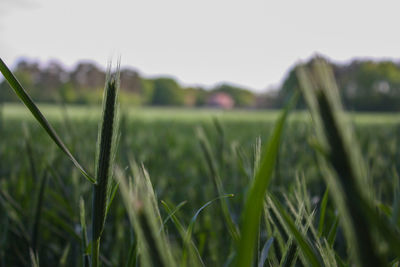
(254, 203)
(211, 163)
(194, 218)
(194, 254)
(172, 213)
(189, 231)
(26, 99)
(264, 252)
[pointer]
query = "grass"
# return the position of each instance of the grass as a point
(255, 200)
(56, 113)
(249, 193)
(108, 131)
(27, 101)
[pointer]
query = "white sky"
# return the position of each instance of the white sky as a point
(247, 42)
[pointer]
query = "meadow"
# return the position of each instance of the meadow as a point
(201, 187)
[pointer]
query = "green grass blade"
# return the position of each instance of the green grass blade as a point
(64, 256)
(332, 232)
(141, 206)
(194, 218)
(26, 99)
(106, 151)
(309, 252)
(264, 252)
(189, 246)
(172, 213)
(211, 163)
(61, 223)
(84, 240)
(112, 193)
(133, 253)
(254, 203)
(29, 152)
(38, 211)
(290, 254)
(34, 257)
(322, 212)
(344, 167)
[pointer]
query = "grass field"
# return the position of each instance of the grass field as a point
(182, 187)
(165, 141)
(56, 112)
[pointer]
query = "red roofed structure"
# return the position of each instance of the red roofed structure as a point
(220, 100)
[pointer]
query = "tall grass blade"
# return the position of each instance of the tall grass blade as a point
(29, 152)
(26, 99)
(254, 203)
(142, 208)
(34, 258)
(133, 253)
(332, 232)
(346, 174)
(322, 212)
(111, 195)
(264, 252)
(64, 256)
(84, 240)
(104, 167)
(38, 212)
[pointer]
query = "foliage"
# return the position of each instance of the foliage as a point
(52, 83)
(363, 85)
(242, 97)
(166, 92)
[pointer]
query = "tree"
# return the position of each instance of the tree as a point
(87, 75)
(363, 85)
(167, 92)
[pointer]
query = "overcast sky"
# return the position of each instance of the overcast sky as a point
(248, 42)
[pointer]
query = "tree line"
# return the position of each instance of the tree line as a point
(83, 85)
(364, 85)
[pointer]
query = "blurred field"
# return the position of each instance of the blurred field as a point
(193, 115)
(165, 141)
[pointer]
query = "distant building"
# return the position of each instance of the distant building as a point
(220, 100)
